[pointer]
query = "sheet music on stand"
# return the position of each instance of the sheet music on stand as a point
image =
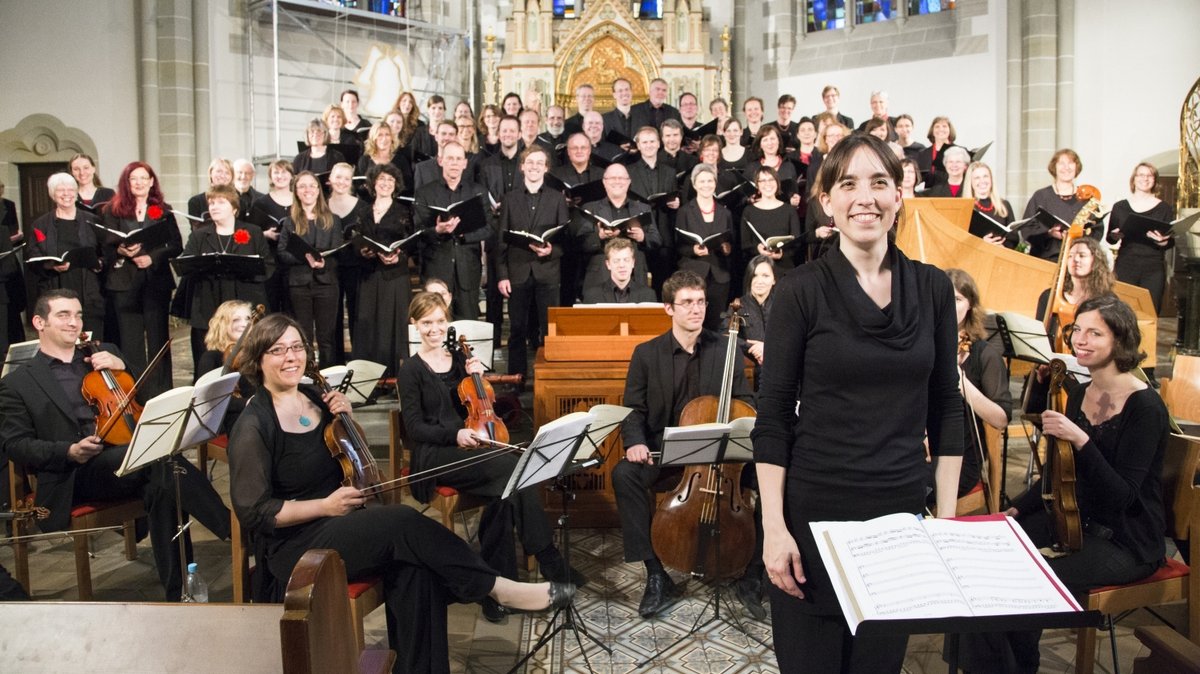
(1026, 338)
(19, 353)
(702, 443)
(181, 417)
(608, 419)
(364, 377)
(480, 335)
(549, 451)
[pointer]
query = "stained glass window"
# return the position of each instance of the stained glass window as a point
(870, 11)
(826, 14)
(916, 7)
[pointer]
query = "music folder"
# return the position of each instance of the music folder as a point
(470, 213)
(153, 235)
(84, 256)
(698, 132)
(1137, 226)
(583, 192)
(298, 247)
(220, 264)
(983, 224)
(523, 238)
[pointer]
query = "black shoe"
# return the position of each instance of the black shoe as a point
(493, 612)
(660, 593)
(561, 594)
(749, 593)
(558, 572)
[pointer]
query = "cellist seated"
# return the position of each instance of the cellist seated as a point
(434, 420)
(1116, 429)
(46, 425)
(665, 373)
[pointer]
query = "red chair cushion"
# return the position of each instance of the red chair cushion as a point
(1172, 569)
(976, 489)
(357, 588)
(220, 441)
(85, 509)
(445, 491)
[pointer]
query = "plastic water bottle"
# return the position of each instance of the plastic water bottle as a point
(197, 589)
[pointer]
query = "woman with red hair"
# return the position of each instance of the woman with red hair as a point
(139, 280)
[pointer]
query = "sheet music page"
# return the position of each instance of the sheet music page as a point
(157, 429)
(549, 451)
(686, 445)
(210, 401)
(740, 447)
(608, 420)
(997, 567)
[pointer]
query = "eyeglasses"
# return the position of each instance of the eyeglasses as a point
(692, 304)
(281, 350)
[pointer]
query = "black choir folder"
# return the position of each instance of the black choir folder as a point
(220, 264)
(899, 573)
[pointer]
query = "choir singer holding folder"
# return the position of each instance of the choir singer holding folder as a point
(868, 338)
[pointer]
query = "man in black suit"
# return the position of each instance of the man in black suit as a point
(614, 207)
(655, 110)
(46, 425)
(620, 287)
(430, 170)
(603, 152)
(618, 118)
(784, 122)
(665, 374)
(243, 182)
(530, 274)
(585, 100)
(576, 170)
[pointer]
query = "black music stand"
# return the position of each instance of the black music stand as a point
(682, 446)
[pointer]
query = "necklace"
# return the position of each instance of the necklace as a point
(979, 206)
(709, 211)
(224, 240)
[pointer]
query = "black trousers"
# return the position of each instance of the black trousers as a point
(717, 295)
(96, 481)
(143, 326)
(487, 479)
(527, 300)
(632, 485)
(10, 589)
(315, 308)
(424, 567)
(1145, 272)
(348, 278)
(1100, 562)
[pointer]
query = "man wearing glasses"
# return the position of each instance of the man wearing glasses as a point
(665, 374)
(633, 220)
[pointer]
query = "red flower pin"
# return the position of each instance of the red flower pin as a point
(241, 237)
(154, 212)
(39, 235)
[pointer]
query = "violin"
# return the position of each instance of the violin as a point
(1058, 473)
(478, 396)
(347, 443)
(685, 526)
(112, 394)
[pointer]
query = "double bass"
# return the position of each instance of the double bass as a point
(1058, 473)
(685, 528)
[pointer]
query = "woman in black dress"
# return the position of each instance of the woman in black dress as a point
(220, 173)
(733, 154)
(288, 491)
(1141, 261)
(704, 217)
(92, 194)
(313, 279)
(318, 157)
(385, 288)
(766, 217)
(139, 279)
(268, 213)
(64, 229)
(348, 207)
(761, 278)
(941, 138)
(865, 339)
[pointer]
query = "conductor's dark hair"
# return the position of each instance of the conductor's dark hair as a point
(41, 307)
(1127, 336)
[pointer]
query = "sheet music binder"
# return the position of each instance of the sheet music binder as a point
(181, 417)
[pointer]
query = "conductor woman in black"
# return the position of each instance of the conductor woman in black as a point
(866, 340)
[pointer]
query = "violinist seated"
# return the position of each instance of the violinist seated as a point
(621, 286)
(46, 425)
(289, 489)
(1116, 429)
(226, 326)
(1088, 275)
(434, 420)
(665, 374)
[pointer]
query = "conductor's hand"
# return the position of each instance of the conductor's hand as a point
(466, 438)
(85, 449)
(781, 556)
(343, 501)
(639, 454)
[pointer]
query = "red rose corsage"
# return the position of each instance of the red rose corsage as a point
(154, 212)
(241, 237)
(39, 235)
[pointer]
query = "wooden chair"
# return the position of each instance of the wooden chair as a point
(1181, 392)
(980, 500)
(446, 500)
(84, 516)
(1172, 582)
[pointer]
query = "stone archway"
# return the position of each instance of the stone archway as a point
(601, 63)
(38, 139)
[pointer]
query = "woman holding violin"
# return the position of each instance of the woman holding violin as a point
(1116, 427)
(288, 488)
(434, 419)
(865, 339)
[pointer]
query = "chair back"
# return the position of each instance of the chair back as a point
(1179, 483)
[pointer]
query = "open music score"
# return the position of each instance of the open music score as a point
(900, 567)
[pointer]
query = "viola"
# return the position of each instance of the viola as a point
(347, 444)
(112, 394)
(478, 396)
(1058, 473)
(685, 526)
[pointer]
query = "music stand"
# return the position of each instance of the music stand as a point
(181, 417)
(713, 444)
(550, 456)
(19, 353)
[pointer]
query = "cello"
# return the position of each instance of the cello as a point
(685, 528)
(1058, 473)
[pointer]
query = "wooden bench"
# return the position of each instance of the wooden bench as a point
(311, 632)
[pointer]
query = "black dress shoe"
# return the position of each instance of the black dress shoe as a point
(660, 593)
(749, 593)
(493, 612)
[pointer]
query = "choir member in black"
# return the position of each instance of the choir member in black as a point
(1141, 262)
(354, 122)
(828, 136)
(531, 124)
(768, 149)
(576, 170)
(1117, 427)
(243, 182)
(15, 296)
(1088, 275)
(861, 333)
(912, 177)
(467, 137)
(932, 159)
(268, 212)
(806, 135)
(220, 173)
(904, 127)
(986, 399)
(879, 110)
(689, 111)
(1060, 200)
(771, 217)
(783, 120)
(585, 100)
(430, 170)
(345, 205)
(400, 138)
(665, 374)
(500, 174)
(620, 286)
(489, 128)
(981, 186)
(46, 425)
(448, 254)
(225, 234)
(616, 206)
(313, 279)
(434, 420)
(318, 158)
(655, 109)
(704, 216)
(752, 108)
(649, 176)
(719, 109)
(831, 96)
(92, 194)
(554, 137)
(428, 143)
(618, 119)
(880, 128)
(953, 182)
(66, 228)
(227, 324)
(761, 277)
(414, 128)
(530, 274)
(733, 153)
(287, 490)
(672, 150)
(381, 148)
(603, 151)
(385, 288)
(336, 132)
(139, 279)
(511, 104)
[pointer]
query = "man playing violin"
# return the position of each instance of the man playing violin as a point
(46, 425)
(665, 373)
